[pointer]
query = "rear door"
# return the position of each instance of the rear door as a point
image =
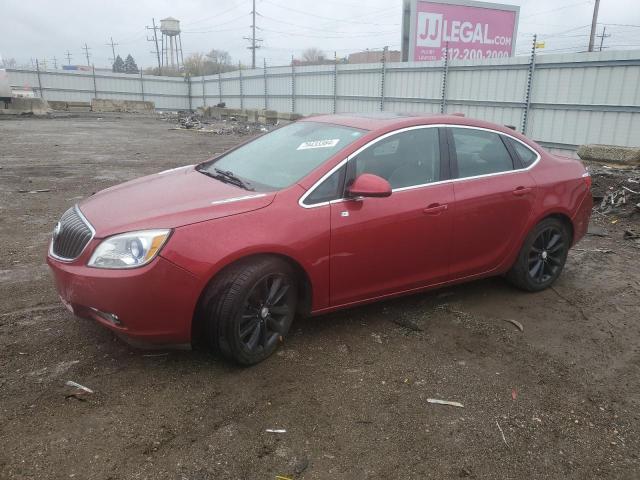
(494, 197)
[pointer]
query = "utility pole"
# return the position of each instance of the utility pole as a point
(86, 53)
(155, 40)
(113, 50)
(253, 38)
(68, 55)
(55, 63)
(594, 23)
(603, 36)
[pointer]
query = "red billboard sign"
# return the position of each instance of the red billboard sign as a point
(471, 30)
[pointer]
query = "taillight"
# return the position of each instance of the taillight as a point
(587, 179)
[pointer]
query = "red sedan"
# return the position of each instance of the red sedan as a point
(322, 214)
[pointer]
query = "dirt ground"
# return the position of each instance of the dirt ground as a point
(559, 400)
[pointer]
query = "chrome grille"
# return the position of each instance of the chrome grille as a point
(72, 234)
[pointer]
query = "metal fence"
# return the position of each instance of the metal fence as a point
(560, 100)
(170, 93)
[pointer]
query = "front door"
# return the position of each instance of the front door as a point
(381, 246)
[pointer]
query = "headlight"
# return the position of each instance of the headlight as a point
(129, 250)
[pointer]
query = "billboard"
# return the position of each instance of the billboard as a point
(469, 29)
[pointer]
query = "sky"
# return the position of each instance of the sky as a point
(47, 29)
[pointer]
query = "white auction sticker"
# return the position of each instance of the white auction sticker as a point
(318, 144)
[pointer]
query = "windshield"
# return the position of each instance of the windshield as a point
(280, 158)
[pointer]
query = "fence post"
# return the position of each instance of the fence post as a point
(293, 86)
(95, 85)
(445, 74)
(335, 81)
(527, 98)
(188, 78)
(204, 95)
(266, 93)
(142, 85)
(241, 91)
(383, 73)
(39, 81)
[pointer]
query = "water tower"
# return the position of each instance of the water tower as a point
(171, 43)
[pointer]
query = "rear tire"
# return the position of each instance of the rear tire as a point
(542, 256)
(249, 308)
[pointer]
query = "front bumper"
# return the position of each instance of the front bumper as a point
(153, 304)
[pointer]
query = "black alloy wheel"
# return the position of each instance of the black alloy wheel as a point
(266, 310)
(542, 256)
(546, 256)
(248, 308)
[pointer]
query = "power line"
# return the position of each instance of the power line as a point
(314, 29)
(244, 15)
(330, 18)
(619, 25)
(297, 34)
(554, 10)
(217, 15)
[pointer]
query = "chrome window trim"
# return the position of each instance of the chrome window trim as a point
(237, 199)
(413, 187)
(93, 234)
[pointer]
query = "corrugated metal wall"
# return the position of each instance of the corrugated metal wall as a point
(575, 98)
(166, 92)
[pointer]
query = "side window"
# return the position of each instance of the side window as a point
(330, 189)
(480, 152)
(405, 159)
(526, 155)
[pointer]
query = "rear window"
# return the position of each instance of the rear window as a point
(480, 152)
(281, 158)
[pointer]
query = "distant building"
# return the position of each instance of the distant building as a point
(319, 61)
(374, 56)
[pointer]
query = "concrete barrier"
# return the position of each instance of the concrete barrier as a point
(22, 106)
(64, 106)
(268, 117)
(610, 154)
(291, 117)
(123, 106)
(250, 115)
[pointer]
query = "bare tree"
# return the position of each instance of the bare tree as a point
(313, 55)
(216, 61)
(8, 63)
(195, 64)
(219, 57)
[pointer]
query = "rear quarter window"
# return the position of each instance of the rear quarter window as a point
(526, 155)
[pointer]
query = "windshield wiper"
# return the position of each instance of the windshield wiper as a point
(228, 177)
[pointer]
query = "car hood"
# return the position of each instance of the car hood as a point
(168, 199)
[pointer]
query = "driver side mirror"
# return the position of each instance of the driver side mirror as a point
(369, 185)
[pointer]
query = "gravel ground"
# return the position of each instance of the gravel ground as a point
(559, 400)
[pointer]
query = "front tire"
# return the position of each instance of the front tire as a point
(542, 256)
(249, 309)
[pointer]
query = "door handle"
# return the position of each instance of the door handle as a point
(520, 191)
(435, 209)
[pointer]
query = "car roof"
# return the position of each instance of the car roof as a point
(387, 121)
